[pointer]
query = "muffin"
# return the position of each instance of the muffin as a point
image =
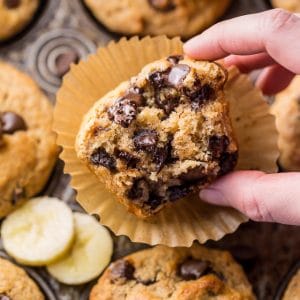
(174, 273)
(154, 17)
(27, 143)
(15, 15)
(15, 284)
(286, 109)
(291, 5)
(160, 136)
(293, 290)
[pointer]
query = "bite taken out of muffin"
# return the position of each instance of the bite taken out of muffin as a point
(162, 135)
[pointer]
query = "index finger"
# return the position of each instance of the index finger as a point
(275, 32)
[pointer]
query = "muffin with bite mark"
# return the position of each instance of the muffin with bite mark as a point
(162, 135)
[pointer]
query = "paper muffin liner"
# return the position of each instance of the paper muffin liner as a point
(188, 219)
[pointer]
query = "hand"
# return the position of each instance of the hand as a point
(269, 40)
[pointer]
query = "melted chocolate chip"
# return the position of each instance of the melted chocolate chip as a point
(130, 160)
(159, 79)
(163, 155)
(193, 269)
(194, 175)
(162, 5)
(11, 4)
(199, 95)
(64, 60)
(174, 59)
(18, 194)
(218, 144)
(123, 112)
(12, 122)
(101, 158)
(122, 269)
(167, 101)
(4, 297)
(144, 281)
(145, 140)
(228, 162)
(178, 74)
(138, 190)
(178, 192)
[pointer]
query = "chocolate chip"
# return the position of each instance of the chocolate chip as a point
(144, 281)
(101, 158)
(123, 112)
(218, 144)
(145, 140)
(139, 190)
(130, 160)
(194, 175)
(193, 269)
(12, 3)
(136, 98)
(12, 122)
(174, 59)
(162, 5)
(178, 192)
(18, 194)
(64, 60)
(163, 155)
(199, 95)
(159, 79)
(166, 100)
(228, 162)
(4, 297)
(122, 269)
(154, 201)
(178, 74)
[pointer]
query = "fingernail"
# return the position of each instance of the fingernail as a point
(212, 196)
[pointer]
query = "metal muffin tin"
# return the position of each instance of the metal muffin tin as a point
(264, 250)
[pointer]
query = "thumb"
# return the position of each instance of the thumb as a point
(260, 196)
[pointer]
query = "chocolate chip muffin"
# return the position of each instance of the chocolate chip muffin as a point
(27, 143)
(162, 273)
(183, 18)
(286, 109)
(160, 136)
(15, 15)
(15, 284)
(291, 5)
(293, 290)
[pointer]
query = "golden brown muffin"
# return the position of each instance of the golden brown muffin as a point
(27, 143)
(15, 284)
(162, 273)
(291, 5)
(160, 136)
(171, 17)
(286, 109)
(15, 15)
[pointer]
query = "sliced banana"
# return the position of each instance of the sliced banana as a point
(89, 256)
(39, 232)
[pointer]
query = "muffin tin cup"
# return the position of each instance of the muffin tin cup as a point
(188, 219)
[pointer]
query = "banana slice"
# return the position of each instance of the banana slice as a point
(39, 232)
(89, 256)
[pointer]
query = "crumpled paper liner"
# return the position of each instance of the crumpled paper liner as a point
(188, 219)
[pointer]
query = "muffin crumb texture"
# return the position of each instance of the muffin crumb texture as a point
(162, 135)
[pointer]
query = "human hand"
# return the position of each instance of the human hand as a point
(269, 40)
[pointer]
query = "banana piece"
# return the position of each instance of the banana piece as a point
(89, 256)
(39, 232)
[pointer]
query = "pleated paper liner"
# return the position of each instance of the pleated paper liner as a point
(188, 219)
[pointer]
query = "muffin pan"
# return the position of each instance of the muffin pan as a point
(64, 31)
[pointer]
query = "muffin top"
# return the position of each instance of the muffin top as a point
(160, 136)
(164, 273)
(15, 284)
